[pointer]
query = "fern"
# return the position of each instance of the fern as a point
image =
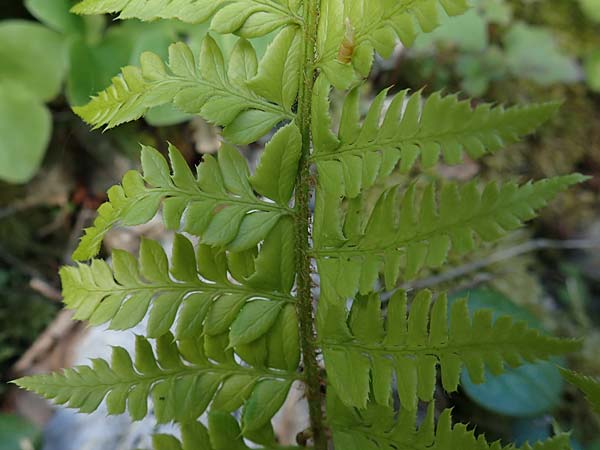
(379, 427)
(403, 233)
(223, 433)
(414, 128)
(123, 295)
(588, 385)
(180, 378)
(414, 345)
(219, 204)
(229, 319)
(249, 18)
(226, 96)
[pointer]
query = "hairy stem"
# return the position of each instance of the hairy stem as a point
(305, 301)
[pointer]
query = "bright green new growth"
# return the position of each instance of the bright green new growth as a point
(228, 316)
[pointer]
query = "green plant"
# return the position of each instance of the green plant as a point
(488, 44)
(230, 320)
(588, 385)
(81, 53)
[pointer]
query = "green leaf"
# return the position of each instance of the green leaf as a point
(407, 232)
(215, 206)
(281, 157)
(283, 340)
(93, 64)
(253, 229)
(234, 392)
(254, 321)
(33, 56)
(165, 442)
(592, 70)
(591, 9)
(249, 18)
(266, 399)
(278, 76)
(275, 265)
(204, 90)
(416, 343)
(249, 125)
(548, 65)
(223, 313)
(382, 428)
(225, 432)
(588, 385)
(374, 25)
(413, 128)
(526, 391)
(15, 432)
(235, 171)
(179, 376)
(123, 294)
(55, 14)
(25, 130)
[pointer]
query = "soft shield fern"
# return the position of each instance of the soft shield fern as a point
(229, 316)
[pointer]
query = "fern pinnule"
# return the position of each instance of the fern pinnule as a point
(248, 18)
(219, 204)
(414, 128)
(381, 428)
(206, 86)
(414, 345)
(179, 376)
(222, 432)
(195, 290)
(406, 232)
(588, 385)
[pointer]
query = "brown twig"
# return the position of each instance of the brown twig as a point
(62, 326)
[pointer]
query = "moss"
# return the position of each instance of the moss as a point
(23, 316)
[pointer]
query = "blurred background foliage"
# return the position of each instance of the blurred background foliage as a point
(54, 172)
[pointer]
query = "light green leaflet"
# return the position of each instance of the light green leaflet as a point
(222, 433)
(218, 204)
(229, 95)
(407, 230)
(180, 378)
(373, 25)
(411, 129)
(194, 288)
(413, 346)
(382, 428)
(249, 18)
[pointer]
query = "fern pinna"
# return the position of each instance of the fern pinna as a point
(230, 316)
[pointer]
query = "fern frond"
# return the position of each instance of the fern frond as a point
(405, 232)
(223, 433)
(181, 378)
(373, 25)
(588, 385)
(196, 287)
(219, 204)
(381, 428)
(249, 18)
(365, 347)
(205, 86)
(414, 128)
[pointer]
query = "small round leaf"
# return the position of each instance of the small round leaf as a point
(25, 130)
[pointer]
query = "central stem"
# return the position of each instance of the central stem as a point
(302, 224)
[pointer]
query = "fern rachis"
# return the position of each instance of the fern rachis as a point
(231, 319)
